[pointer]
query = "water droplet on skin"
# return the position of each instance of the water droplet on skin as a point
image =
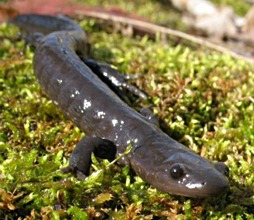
(114, 122)
(73, 95)
(101, 114)
(105, 74)
(86, 104)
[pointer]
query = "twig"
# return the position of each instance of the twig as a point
(151, 28)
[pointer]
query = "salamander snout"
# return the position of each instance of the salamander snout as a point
(222, 168)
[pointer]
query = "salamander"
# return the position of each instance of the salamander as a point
(109, 123)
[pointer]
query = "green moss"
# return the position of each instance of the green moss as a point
(205, 98)
(160, 12)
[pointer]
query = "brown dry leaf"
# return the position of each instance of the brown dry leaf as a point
(8, 199)
(132, 211)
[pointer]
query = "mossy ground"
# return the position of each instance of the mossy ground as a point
(205, 98)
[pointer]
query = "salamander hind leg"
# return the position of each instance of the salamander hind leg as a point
(114, 79)
(80, 160)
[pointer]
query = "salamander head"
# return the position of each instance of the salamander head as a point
(181, 173)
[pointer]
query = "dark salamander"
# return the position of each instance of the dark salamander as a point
(109, 123)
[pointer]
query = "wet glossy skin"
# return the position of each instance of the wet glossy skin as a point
(97, 110)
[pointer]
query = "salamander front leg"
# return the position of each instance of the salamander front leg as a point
(80, 160)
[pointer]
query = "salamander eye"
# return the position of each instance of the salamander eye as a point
(176, 171)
